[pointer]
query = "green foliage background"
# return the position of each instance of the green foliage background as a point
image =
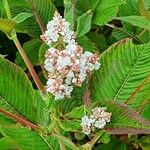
(120, 31)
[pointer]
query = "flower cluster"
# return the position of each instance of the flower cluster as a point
(66, 62)
(98, 119)
(57, 28)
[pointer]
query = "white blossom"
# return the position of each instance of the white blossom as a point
(100, 123)
(86, 121)
(98, 119)
(66, 63)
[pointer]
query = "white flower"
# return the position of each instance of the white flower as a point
(68, 80)
(50, 25)
(86, 129)
(100, 124)
(59, 96)
(66, 61)
(87, 54)
(90, 66)
(71, 48)
(82, 76)
(97, 65)
(52, 50)
(98, 119)
(48, 65)
(68, 90)
(86, 121)
(70, 74)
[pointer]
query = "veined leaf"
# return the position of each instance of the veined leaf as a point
(4, 120)
(22, 17)
(16, 90)
(124, 68)
(139, 21)
(76, 113)
(42, 12)
(32, 50)
(7, 26)
(131, 9)
(25, 139)
(105, 11)
(124, 120)
(70, 125)
(84, 23)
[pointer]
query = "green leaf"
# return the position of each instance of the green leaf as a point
(32, 50)
(83, 5)
(42, 52)
(124, 120)
(75, 101)
(42, 116)
(104, 138)
(144, 143)
(87, 44)
(143, 11)
(84, 23)
(4, 120)
(22, 17)
(106, 11)
(124, 68)
(6, 144)
(74, 9)
(25, 139)
(99, 40)
(16, 90)
(139, 35)
(66, 141)
(70, 125)
(139, 21)
(114, 144)
(42, 12)
(7, 26)
(76, 113)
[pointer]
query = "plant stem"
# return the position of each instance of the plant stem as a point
(23, 54)
(29, 65)
(87, 94)
(137, 90)
(20, 120)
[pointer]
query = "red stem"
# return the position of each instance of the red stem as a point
(20, 120)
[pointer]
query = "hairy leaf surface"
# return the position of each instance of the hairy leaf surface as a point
(124, 68)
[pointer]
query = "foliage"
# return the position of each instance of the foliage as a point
(118, 31)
